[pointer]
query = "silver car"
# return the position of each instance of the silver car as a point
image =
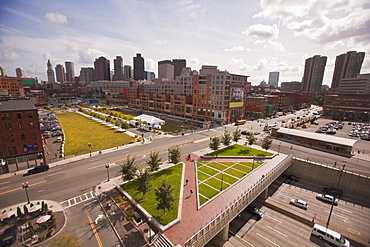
(299, 203)
(327, 198)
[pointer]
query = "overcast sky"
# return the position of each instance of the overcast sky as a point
(247, 37)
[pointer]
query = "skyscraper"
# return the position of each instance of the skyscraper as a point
(50, 72)
(60, 73)
(166, 70)
(20, 72)
(178, 65)
(101, 69)
(347, 66)
(118, 69)
(139, 69)
(274, 78)
(86, 75)
(2, 71)
(70, 71)
(313, 74)
(127, 75)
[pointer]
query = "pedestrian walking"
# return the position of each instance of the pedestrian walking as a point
(291, 147)
(335, 164)
(186, 182)
(189, 157)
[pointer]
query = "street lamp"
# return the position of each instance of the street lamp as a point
(89, 144)
(335, 195)
(254, 156)
(107, 166)
(279, 148)
(25, 186)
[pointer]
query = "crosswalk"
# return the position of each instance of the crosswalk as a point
(77, 200)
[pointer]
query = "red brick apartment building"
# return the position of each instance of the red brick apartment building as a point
(21, 145)
(13, 85)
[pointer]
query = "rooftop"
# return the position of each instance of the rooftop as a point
(16, 105)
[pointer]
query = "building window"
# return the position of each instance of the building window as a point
(12, 138)
(7, 139)
(9, 126)
(23, 136)
(19, 116)
(5, 126)
(33, 136)
(32, 125)
(7, 117)
(20, 125)
(10, 150)
(30, 115)
(35, 147)
(14, 150)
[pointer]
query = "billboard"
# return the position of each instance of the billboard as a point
(236, 97)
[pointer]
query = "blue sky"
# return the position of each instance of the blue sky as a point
(247, 37)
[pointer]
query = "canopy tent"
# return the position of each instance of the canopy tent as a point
(150, 120)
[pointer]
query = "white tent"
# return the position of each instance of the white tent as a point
(150, 119)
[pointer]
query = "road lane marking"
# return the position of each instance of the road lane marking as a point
(268, 239)
(78, 199)
(277, 231)
(274, 218)
(345, 218)
(245, 241)
(94, 229)
(345, 210)
(4, 187)
(21, 188)
(113, 162)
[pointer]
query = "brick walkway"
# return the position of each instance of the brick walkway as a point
(192, 218)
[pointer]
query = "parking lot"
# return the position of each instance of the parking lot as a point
(283, 224)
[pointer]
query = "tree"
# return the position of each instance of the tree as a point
(267, 142)
(143, 180)
(128, 168)
(236, 135)
(174, 154)
(251, 139)
(226, 138)
(69, 239)
(125, 125)
(164, 196)
(154, 161)
(214, 143)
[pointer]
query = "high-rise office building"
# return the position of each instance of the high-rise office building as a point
(60, 73)
(274, 78)
(86, 75)
(70, 71)
(2, 71)
(101, 69)
(127, 75)
(165, 70)
(20, 72)
(347, 66)
(50, 72)
(313, 74)
(208, 69)
(118, 69)
(178, 65)
(139, 69)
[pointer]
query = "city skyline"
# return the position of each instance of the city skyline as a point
(247, 38)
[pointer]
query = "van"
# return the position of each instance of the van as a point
(330, 236)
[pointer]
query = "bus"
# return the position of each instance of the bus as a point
(240, 122)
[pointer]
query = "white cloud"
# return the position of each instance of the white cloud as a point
(262, 31)
(150, 64)
(194, 61)
(334, 45)
(236, 48)
(85, 53)
(160, 42)
(56, 17)
(10, 55)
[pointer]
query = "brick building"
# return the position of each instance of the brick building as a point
(13, 85)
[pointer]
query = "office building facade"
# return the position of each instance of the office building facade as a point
(50, 72)
(347, 66)
(86, 75)
(166, 70)
(20, 72)
(178, 65)
(313, 74)
(12, 85)
(139, 68)
(127, 72)
(61, 74)
(2, 71)
(118, 69)
(357, 85)
(274, 78)
(101, 69)
(70, 72)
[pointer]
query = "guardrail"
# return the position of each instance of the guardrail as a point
(210, 230)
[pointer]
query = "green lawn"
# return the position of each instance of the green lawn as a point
(202, 176)
(207, 191)
(172, 174)
(239, 150)
(208, 170)
(80, 130)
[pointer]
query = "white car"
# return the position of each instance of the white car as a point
(327, 198)
(299, 203)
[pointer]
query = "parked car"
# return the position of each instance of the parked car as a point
(291, 177)
(59, 139)
(257, 133)
(327, 198)
(333, 191)
(37, 169)
(255, 211)
(9, 236)
(57, 133)
(320, 131)
(299, 203)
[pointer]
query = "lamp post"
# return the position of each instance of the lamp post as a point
(25, 187)
(222, 180)
(89, 144)
(107, 166)
(279, 148)
(335, 195)
(254, 156)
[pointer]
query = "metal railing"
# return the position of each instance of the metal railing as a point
(210, 230)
